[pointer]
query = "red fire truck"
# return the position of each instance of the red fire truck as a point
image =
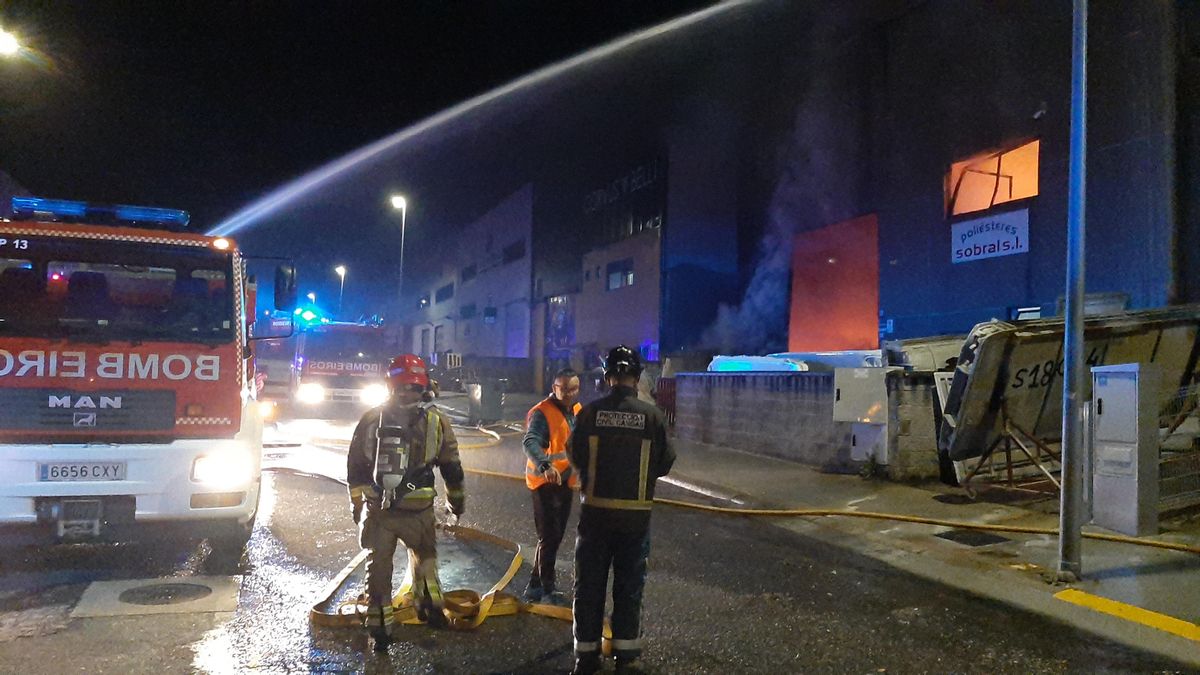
(341, 362)
(126, 391)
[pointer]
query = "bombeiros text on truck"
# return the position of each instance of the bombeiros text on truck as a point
(341, 362)
(127, 392)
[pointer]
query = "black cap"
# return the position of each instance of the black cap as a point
(622, 361)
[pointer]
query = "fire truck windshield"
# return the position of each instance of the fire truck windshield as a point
(324, 344)
(116, 291)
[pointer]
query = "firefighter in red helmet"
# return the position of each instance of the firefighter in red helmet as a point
(390, 473)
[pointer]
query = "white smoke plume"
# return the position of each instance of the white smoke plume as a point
(822, 170)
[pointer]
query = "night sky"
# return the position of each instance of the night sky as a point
(210, 107)
(207, 105)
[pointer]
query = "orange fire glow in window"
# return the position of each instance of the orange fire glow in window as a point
(984, 181)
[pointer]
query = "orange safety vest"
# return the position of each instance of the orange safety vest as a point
(560, 431)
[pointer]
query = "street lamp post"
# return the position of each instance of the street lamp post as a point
(400, 203)
(1070, 518)
(312, 297)
(341, 272)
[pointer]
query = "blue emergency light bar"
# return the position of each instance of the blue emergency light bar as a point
(28, 206)
(72, 211)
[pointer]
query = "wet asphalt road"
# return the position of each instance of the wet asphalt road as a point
(725, 595)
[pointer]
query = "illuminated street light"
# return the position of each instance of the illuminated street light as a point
(9, 44)
(401, 204)
(312, 297)
(341, 272)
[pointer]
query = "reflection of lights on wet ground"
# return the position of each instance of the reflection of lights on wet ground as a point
(267, 496)
(271, 632)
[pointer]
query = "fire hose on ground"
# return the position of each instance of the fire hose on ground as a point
(467, 609)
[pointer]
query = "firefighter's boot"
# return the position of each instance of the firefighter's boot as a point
(379, 623)
(586, 663)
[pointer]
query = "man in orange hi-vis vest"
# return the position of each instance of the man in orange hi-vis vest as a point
(550, 479)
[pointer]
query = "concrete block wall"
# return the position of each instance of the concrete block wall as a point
(785, 415)
(912, 438)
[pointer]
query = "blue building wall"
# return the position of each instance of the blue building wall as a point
(963, 78)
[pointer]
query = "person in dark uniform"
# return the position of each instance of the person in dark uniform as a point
(389, 469)
(619, 449)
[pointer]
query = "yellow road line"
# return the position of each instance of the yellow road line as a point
(1121, 610)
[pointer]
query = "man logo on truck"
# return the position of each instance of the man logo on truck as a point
(113, 402)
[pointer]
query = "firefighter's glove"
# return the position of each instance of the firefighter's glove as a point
(457, 500)
(363, 495)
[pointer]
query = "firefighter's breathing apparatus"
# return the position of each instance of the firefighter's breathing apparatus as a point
(391, 463)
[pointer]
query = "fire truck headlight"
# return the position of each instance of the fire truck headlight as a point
(310, 392)
(266, 409)
(226, 469)
(374, 394)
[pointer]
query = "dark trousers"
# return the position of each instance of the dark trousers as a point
(597, 549)
(551, 510)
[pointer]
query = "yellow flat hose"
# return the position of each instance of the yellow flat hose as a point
(467, 609)
(464, 609)
(842, 513)
(1021, 529)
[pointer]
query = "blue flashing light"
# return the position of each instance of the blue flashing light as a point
(308, 315)
(297, 312)
(733, 366)
(55, 208)
(62, 209)
(150, 214)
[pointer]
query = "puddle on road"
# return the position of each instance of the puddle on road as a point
(271, 630)
(34, 622)
(40, 586)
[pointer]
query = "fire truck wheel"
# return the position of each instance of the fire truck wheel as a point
(228, 549)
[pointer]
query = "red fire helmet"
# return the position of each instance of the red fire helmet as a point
(408, 369)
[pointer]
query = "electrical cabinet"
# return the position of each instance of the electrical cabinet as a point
(1124, 415)
(860, 397)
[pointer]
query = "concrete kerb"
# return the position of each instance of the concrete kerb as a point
(964, 570)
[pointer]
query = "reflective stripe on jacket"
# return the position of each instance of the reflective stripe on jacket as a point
(554, 447)
(619, 449)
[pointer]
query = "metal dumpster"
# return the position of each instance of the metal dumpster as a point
(486, 400)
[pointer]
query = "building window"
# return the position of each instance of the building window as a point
(468, 273)
(981, 182)
(587, 275)
(649, 351)
(620, 273)
(514, 252)
(467, 311)
(444, 293)
(489, 315)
